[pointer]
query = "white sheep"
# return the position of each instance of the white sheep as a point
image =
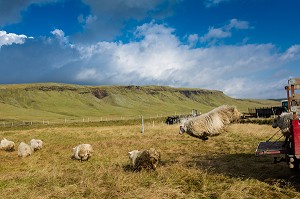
(283, 121)
(7, 145)
(24, 150)
(210, 124)
(82, 152)
(36, 144)
(144, 159)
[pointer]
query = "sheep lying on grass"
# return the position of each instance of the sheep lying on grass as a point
(7, 145)
(24, 150)
(145, 159)
(210, 124)
(283, 121)
(82, 152)
(36, 144)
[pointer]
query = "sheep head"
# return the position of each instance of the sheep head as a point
(183, 128)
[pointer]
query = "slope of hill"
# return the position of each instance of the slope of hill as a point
(58, 101)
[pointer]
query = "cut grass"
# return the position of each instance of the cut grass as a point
(222, 167)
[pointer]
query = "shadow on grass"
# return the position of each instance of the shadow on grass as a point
(129, 167)
(247, 166)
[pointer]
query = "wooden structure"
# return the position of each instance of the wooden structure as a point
(293, 97)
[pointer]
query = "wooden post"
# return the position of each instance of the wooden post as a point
(143, 128)
(287, 88)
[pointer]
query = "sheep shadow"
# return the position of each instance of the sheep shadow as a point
(128, 168)
(162, 163)
(246, 166)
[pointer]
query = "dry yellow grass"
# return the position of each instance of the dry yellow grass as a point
(222, 167)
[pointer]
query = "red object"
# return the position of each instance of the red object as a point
(296, 137)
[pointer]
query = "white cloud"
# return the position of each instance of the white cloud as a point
(193, 39)
(240, 25)
(11, 38)
(86, 75)
(60, 36)
(215, 34)
(292, 53)
(58, 33)
(211, 3)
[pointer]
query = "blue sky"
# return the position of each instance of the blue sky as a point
(245, 48)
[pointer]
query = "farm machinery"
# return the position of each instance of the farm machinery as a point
(288, 150)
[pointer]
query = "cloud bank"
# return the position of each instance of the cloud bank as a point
(154, 56)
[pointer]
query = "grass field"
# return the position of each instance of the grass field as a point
(221, 167)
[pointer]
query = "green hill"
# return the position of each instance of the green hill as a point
(51, 101)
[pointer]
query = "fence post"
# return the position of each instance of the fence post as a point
(143, 128)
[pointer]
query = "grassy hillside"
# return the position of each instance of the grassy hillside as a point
(52, 101)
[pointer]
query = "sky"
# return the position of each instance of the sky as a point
(244, 48)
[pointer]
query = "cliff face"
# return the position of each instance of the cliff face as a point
(50, 100)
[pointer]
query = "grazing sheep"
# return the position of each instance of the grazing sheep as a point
(82, 152)
(283, 121)
(7, 145)
(24, 150)
(36, 144)
(145, 159)
(210, 124)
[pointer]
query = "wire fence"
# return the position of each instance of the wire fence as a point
(17, 123)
